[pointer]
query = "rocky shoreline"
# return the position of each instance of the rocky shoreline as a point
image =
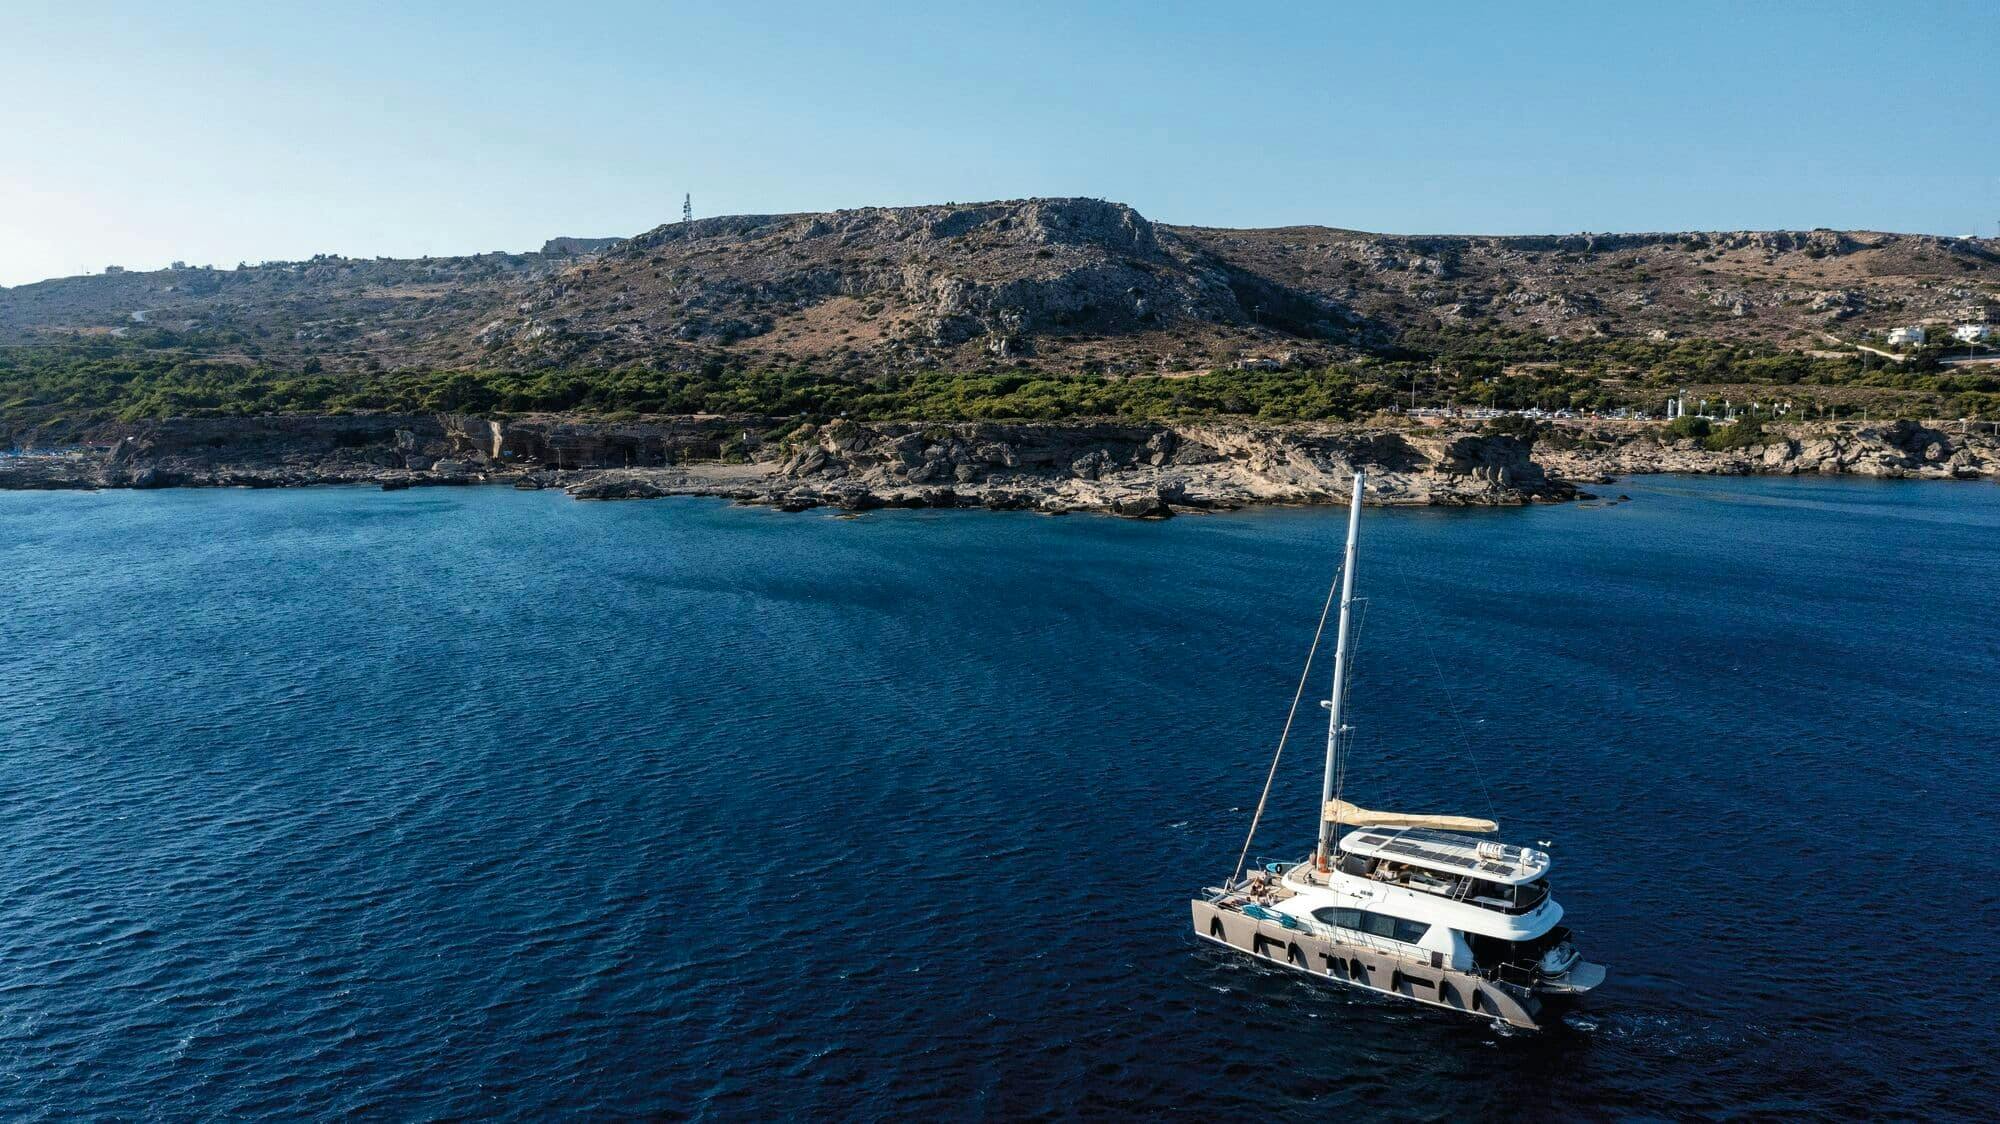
(1135, 470)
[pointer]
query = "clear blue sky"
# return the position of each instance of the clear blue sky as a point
(216, 132)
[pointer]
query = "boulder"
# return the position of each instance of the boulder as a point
(855, 499)
(1090, 465)
(617, 488)
(1145, 505)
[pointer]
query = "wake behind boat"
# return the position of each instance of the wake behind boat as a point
(1415, 906)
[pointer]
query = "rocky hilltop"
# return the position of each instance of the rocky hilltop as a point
(1071, 285)
(1139, 470)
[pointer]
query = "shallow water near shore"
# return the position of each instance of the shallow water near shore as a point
(485, 803)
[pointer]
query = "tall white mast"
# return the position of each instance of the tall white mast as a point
(1333, 726)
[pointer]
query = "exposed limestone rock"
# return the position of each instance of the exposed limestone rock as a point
(574, 247)
(1898, 449)
(1139, 470)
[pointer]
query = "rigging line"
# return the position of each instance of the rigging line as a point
(1345, 741)
(1478, 774)
(1289, 718)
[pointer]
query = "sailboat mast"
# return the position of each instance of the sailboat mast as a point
(1333, 726)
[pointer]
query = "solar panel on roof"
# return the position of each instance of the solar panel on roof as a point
(1431, 854)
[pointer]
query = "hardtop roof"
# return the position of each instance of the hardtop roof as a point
(1449, 852)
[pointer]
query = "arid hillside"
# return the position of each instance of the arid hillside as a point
(1060, 285)
(1787, 288)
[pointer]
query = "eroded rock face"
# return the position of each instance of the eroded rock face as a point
(1891, 449)
(398, 450)
(1146, 471)
(1018, 282)
(1139, 470)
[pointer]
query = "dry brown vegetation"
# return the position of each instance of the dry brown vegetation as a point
(1069, 286)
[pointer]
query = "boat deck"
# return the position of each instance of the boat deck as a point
(1449, 853)
(1457, 887)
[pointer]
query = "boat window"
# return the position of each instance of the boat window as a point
(1376, 924)
(1339, 918)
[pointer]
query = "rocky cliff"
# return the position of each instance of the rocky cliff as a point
(1129, 469)
(1894, 450)
(1136, 469)
(1152, 469)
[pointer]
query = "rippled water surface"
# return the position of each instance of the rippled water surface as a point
(482, 803)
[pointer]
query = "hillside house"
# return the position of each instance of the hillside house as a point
(1907, 337)
(1972, 333)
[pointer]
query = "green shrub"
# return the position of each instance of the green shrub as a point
(1492, 368)
(1741, 434)
(1528, 430)
(1685, 426)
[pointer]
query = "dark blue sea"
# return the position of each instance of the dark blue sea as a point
(478, 803)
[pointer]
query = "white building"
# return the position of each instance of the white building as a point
(1972, 333)
(1911, 336)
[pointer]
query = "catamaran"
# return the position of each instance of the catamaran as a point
(1408, 905)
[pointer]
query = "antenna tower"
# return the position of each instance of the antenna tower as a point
(687, 208)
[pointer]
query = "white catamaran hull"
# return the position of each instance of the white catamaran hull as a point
(1374, 970)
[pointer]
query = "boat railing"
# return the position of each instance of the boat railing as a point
(1527, 968)
(1522, 972)
(1461, 891)
(1216, 894)
(1524, 903)
(1368, 940)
